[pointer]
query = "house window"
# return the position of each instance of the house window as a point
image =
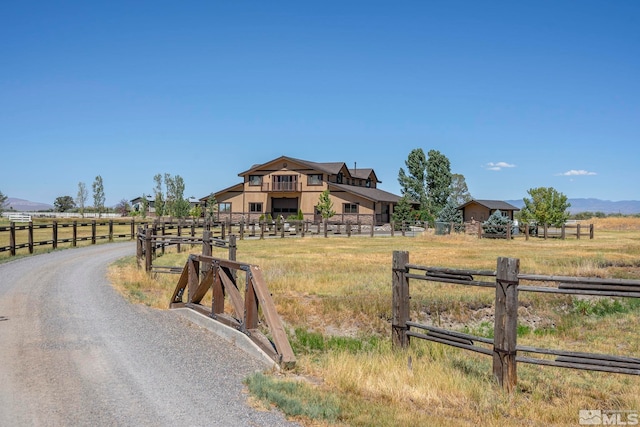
(255, 207)
(314, 179)
(339, 178)
(224, 207)
(368, 184)
(255, 179)
(350, 208)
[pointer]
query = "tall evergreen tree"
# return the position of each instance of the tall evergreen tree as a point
(438, 181)
(413, 183)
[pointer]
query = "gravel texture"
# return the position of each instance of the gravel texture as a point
(73, 352)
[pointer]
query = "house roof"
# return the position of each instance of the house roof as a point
(491, 204)
(373, 194)
(332, 168)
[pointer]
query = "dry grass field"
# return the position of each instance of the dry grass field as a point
(334, 295)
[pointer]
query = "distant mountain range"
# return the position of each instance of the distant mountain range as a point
(25, 205)
(625, 207)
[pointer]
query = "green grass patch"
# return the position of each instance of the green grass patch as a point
(308, 342)
(294, 398)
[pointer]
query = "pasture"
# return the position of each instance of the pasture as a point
(334, 296)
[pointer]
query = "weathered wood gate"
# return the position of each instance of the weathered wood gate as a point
(203, 273)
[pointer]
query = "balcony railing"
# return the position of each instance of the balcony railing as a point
(282, 186)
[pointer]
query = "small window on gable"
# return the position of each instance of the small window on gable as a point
(350, 208)
(339, 178)
(255, 179)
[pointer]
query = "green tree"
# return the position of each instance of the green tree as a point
(63, 204)
(159, 198)
(438, 181)
(196, 211)
(211, 207)
(402, 211)
(496, 224)
(98, 195)
(450, 212)
(546, 206)
(145, 205)
(325, 205)
(459, 190)
(413, 183)
(81, 198)
(3, 202)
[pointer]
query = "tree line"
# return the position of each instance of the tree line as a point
(431, 192)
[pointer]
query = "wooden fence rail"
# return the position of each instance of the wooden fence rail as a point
(23, 236)
(150, 245)
(202, 274)
(507, 282)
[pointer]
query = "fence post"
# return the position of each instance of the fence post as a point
(479, 230)
(348, 228)
(163, 233)
(207, 250)
(148, 252)
(577, 231)
(526, 231)
(179, 231)
(590, 231)
(139, 248)
(12, 238)
(506, 323)
(111, 230)
(233, 248)
(400, 296)
(546, 229)
(508, 230)
(93, 231)
(74, 238)
(54, 235)
(133, 228)
(30, 237)
(563, 231)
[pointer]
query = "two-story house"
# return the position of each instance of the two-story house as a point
(286, 186)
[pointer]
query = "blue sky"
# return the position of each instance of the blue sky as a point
(517, 95)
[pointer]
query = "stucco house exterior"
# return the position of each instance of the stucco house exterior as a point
(286, 186)
(481, 210)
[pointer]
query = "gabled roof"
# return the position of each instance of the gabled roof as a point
(332, 168)
(491, 204)
(373, 194)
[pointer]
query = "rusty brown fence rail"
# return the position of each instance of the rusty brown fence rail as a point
(203, 274)
(507, 282)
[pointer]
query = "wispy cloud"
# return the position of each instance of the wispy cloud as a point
(579, 172)
(498, 166)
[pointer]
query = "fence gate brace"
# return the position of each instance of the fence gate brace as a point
(202, 273)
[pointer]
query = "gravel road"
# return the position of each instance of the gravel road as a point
(73, 352)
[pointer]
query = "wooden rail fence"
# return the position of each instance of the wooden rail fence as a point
(203, 273)
(503, 348)
(151, 245)
(22, 236)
